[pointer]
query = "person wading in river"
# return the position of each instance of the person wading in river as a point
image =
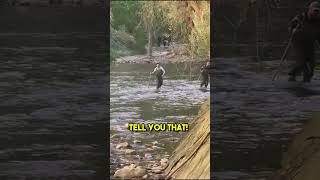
(204, 74)
(159, 72)
(305, 31)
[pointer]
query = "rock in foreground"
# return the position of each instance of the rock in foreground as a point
(131, 171)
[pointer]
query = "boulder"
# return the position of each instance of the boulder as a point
(131, 171)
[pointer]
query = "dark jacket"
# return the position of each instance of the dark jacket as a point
(306, 27)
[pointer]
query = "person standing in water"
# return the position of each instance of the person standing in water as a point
(305, 30)
(204, 74)
(159, 72)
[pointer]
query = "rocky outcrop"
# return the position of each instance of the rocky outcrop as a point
(303, 158)
(191, 159)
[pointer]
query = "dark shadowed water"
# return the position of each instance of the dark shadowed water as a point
(52, 109)
(134, 100)
(256, 118)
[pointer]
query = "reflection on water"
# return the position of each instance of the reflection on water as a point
(134, 99)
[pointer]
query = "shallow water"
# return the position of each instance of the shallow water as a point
(133, 99)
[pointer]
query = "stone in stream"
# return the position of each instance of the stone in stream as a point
(145, 176)
(131, 152)
(156, 147)
(155, 142)
(155, 164)
(149, 150)
(126, 125)
(157, 170)
(137, 156)
(164, 165)
(164, 162)
(115, 135)
(131, 171)
(147, 155)
(136, 141)
(123, 145)
(167, 155)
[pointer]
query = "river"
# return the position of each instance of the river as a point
(255, 118)
(53, 105)
(133, 99)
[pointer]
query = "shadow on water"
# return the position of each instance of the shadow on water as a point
(303, 92)
(299, 89)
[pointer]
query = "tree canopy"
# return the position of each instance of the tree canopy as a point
(185, 21)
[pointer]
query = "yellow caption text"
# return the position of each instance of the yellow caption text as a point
(176, 127)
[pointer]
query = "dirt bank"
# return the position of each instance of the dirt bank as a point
(173, 54)
(191, 159)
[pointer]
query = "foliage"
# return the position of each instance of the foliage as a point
(185, 21)
(119, 42)
(199, 37)
(126, 18)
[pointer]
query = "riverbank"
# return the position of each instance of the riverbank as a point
(302, 160)
(175, 53)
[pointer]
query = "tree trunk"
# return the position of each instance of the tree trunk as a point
(150, 32)
(150, 40)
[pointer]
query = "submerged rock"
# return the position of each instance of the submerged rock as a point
(164, 162)
(131, 152)
(145, 176)
(155, 142)
(156, 147)
(123, 145)
(149, 150)
(136, 141)
(147, 155)
(157, 170)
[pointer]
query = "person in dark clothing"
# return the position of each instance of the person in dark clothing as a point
(164, 40)
(305, 29)
(159, 72)
(159, 41)
(204, 74)
(169, 40)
